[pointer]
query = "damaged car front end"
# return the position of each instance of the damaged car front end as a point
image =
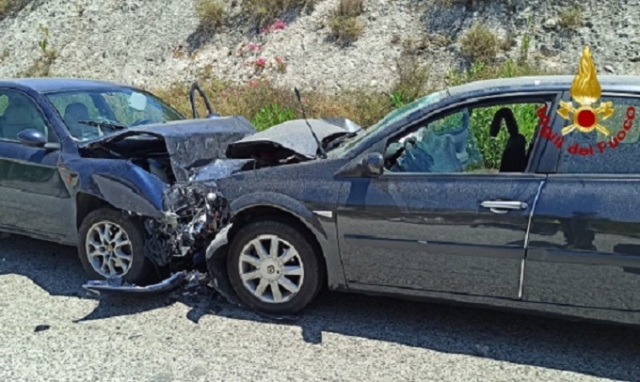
(116, 172)
(181, 162)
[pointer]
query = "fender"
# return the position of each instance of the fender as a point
(281, 202)
(132, 189)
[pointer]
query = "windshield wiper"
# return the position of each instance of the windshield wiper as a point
(110, 126)
(338, 141)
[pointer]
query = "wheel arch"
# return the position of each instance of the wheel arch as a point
(85, 203)
(322, 234)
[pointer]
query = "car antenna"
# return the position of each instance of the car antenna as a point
(323, 155)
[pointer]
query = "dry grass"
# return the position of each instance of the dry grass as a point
(41, 66)
(264, 103)
(264, 12)
(4, 6)
(350, 8)
(252, 100)
(343, 22)
(211, 13)
(8, 6)
(345, 30)
(571, 18)
(480, 44)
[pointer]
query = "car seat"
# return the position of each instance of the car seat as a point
(514, 156)
(19, 116)
(73, 113)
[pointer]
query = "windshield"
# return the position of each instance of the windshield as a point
(89, 114)
(393, 117)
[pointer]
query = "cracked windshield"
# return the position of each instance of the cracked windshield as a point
(93, 114)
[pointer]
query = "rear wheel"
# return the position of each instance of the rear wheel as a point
(112, 245)
(273, 267)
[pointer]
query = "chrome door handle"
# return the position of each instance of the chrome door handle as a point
(503, 206)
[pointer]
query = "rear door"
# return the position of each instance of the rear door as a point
(442, 217)
(584, 247)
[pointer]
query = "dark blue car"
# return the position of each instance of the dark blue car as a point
(513, 193)
(111, 169)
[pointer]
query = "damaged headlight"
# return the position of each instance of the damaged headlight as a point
(195, 213)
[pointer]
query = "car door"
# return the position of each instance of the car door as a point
(33, 197)
(585, 251)
(443, 222)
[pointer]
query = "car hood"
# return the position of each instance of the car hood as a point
(190, 143)
(292, 136)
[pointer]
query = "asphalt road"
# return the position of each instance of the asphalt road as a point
(340, 338)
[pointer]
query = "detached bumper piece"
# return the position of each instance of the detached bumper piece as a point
(117, 286)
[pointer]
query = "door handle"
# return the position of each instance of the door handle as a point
(503, 206)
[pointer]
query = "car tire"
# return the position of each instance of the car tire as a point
(109, 250)
(302, 271)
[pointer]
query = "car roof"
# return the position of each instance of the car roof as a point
(531, 83)
(50, 85)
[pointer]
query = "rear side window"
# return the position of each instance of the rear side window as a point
(613, 145)
(4, 103)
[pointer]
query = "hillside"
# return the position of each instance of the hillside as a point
(153, 43)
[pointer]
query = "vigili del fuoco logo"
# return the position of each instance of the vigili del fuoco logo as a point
(586, 117)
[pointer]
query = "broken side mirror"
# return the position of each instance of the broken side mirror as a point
(32, 138)
(373, 164)
(210, 113)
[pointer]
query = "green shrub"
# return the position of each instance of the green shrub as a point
(41, 65)
(264, 12)
(345, 30)
(343, 22)
(491, 148)
(571, 18)
(4, 6)
(413, 78)
(271, 115)
(480, 44)
(350, 8)
(211, 13)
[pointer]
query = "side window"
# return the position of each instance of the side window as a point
(482, 139)
(65, 103)
(18, 112)
(607, 145)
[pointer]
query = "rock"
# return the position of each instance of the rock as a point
(550, 24)
(135, 43)
(41, 328)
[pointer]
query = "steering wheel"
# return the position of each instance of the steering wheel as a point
(141, 121)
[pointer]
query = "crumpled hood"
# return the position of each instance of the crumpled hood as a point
(293, 136)
(189, 143)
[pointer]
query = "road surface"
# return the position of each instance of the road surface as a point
(340, 338)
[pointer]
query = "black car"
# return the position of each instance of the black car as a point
(114, 170)
(439, 201)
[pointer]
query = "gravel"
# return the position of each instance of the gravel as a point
(52, 330)
(156, 43)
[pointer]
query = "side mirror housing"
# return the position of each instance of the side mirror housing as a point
(32, 138)
(373, 164)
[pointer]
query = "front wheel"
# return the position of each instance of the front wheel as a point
(273, 267)
(112, 245)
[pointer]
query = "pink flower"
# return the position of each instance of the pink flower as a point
(279, 61)
(255, 48)
(278, 25)
(260, 62)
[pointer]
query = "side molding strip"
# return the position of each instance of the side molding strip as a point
(324, 214)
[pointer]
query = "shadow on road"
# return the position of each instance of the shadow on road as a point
(604, 351)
